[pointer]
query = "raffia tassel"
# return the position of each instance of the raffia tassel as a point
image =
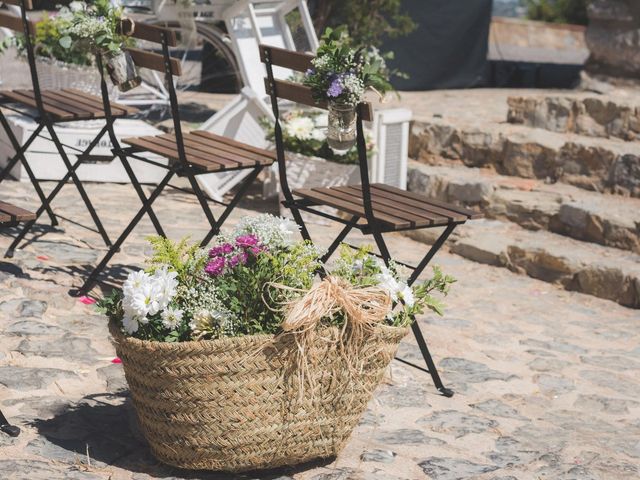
(363, 307)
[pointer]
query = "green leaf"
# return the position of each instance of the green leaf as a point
(65, 42)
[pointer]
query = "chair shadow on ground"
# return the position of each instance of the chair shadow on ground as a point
(103, 427)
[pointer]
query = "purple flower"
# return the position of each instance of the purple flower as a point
(246, 241)
(256, 249)
(244, 257)
(215, 267)
(335, 89)
(227, 248)
(215, 251)
(234, 261)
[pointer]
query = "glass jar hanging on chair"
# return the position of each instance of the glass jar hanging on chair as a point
(122, 70)
(341, 132)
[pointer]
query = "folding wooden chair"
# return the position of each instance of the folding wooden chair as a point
(10, 216)
(49, 108)
(374, 209)
(190, 154)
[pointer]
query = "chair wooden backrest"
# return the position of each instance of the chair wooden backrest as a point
(299, 93)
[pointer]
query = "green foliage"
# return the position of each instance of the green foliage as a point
(253, 292)
(181, 257)
(370, 21)
(361, 268)
(558, 11)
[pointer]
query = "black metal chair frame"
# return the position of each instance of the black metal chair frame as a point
(45, 122)
(179, 168)
(371, 226)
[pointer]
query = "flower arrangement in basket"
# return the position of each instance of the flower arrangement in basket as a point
(340, 76)
(237, 358)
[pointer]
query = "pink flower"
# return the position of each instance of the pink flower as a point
(215, 251)
(246, 241)
(87, 300)
(227, 248)
(215, 267)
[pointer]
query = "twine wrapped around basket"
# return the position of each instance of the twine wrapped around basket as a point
(236, 404)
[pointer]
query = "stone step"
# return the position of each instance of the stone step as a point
(597, 164)
(578, 266)
(585, 114)
(589, 216)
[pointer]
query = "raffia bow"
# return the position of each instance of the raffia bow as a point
(363, 308)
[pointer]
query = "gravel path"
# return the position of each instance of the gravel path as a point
(547, 381)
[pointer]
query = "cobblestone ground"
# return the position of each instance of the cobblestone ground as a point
(547, 381)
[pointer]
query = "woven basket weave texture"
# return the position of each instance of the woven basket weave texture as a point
(234, 404)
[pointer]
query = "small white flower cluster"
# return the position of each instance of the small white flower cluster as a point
(206, 311)
(272, 231)
(147, 295)
(398, 290)
(88, 27)
(353, 88)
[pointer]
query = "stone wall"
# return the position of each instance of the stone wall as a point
(613, 38)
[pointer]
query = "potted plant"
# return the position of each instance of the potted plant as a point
(237, 358)
(340, 75)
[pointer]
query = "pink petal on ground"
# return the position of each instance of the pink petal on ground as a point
(116, 360)
(42, 257)
(87, 300)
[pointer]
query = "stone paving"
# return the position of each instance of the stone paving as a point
(547, 381)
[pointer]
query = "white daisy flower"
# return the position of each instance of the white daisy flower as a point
(171, 317)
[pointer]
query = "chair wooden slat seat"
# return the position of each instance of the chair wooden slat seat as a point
(11, 215)
(396, 209)
(205, 151)
(67, 104)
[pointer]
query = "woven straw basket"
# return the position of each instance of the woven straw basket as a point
(229, 404)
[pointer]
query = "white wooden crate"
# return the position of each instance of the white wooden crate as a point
(46, 163)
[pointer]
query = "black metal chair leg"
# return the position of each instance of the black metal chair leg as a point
(91, 280)
(415, 328)
(7, 428)
(138, 188)
(246, 183)
(422, 344)
(336, 243)
(19, 155)
(52, 195)
(78, 184)
(432, 251)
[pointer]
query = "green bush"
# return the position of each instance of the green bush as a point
(558, 11)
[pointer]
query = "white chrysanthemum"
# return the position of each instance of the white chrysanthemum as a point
(171, 317)
(300, 127)
(387, 282)
(406, 294)
(165, 285)
(134, 282)
(144, 301)
(130, 323)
